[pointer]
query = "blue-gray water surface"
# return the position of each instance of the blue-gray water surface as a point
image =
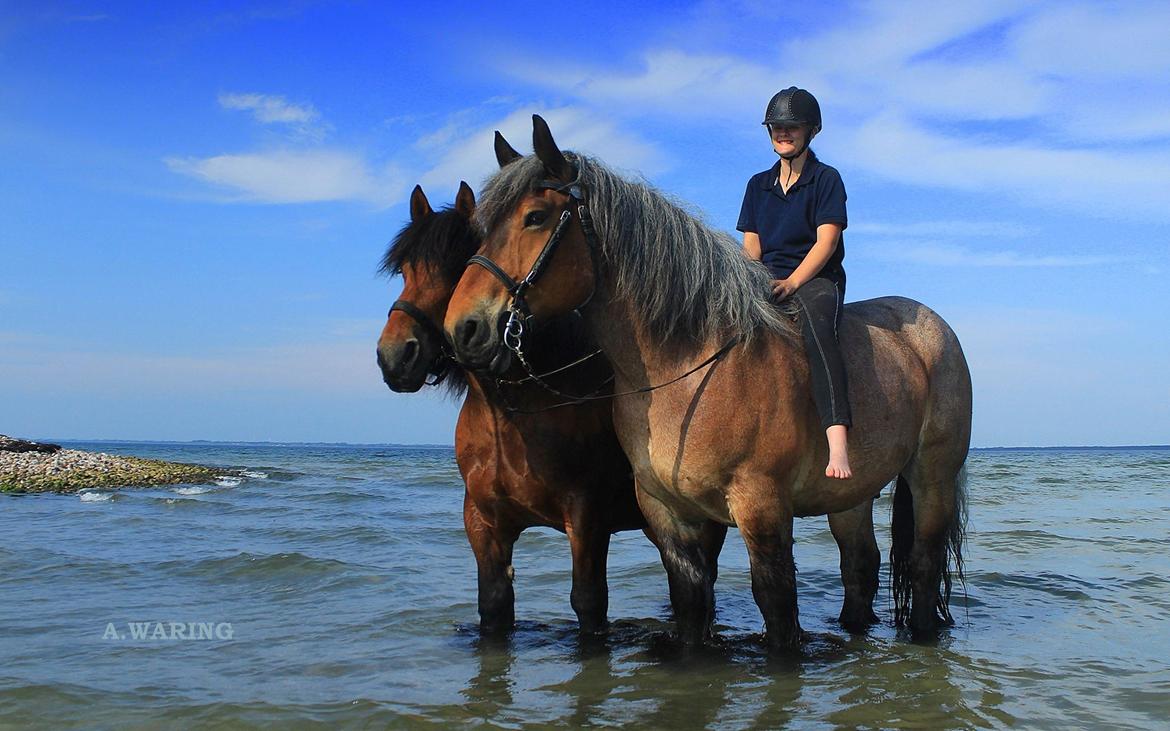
(326, 586)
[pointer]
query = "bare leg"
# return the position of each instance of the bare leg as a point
(590, 596)
(860, 563)
(838, 436)
(493, 556)
(690, 555)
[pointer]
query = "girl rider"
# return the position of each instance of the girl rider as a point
(792, 218)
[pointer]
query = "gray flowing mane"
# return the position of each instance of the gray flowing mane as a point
(688, 283)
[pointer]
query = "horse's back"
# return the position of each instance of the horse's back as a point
(914, 327)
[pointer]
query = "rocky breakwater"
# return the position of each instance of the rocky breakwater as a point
(33, 467)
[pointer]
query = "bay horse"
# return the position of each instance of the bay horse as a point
(561, 468)
(712, 401)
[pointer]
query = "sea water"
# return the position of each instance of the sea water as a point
(332, 585)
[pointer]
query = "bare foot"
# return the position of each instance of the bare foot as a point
(838, 466)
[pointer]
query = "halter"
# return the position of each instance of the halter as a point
(440, 368)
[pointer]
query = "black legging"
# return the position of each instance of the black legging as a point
(820, 301)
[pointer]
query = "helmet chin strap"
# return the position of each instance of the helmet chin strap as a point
(807, 141)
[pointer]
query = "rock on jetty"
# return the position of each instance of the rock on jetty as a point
(32, 467)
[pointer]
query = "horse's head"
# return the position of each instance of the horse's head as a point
(535, 261)
(430, 253)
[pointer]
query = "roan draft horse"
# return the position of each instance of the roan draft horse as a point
(714, 406)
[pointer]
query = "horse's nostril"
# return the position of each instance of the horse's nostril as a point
(410, 352)
(465, 332)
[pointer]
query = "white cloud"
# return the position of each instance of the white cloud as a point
(472, 157)
(670, 81)
(948, 255)
(937, 229)
(894, 147)
(289, 176)
(1027, 100)
(270, 109)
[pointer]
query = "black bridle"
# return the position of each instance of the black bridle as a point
(440, 367)
(519, 314)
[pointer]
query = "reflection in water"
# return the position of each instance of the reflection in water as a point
(490, 689)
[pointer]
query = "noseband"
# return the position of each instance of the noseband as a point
(440, 368)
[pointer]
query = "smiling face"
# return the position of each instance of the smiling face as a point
(789, 140)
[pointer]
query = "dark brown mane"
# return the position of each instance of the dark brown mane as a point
(444, 240)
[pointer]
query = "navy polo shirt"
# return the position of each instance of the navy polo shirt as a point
(787, 223)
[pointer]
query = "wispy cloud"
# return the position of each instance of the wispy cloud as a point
(957, 256)
(290, 176)
(471, 156)
(270, 109)
(997, 96)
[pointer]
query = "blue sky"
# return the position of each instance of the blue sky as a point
(194, 198)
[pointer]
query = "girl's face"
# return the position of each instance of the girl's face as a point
(787, 139)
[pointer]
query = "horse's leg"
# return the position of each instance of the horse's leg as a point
(589, 540)
(493, 556)
(690, 555)
(860, 563)
(931, 500)
(768, 535)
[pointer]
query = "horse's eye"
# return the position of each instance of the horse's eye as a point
(535, 218)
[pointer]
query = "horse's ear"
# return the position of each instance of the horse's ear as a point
(420, 207)
(548, 152)
(465, 200)
(505, 153)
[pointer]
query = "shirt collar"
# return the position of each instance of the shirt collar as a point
(811, 168)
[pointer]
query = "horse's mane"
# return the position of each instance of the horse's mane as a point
(443, 241)
(687, 283)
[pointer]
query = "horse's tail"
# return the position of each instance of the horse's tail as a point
(953, 558)
(902, 545)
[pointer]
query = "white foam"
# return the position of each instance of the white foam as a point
(96, 497)
(254, 475)
(197, 490)
(228, 481)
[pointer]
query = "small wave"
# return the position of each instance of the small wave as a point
(96, 497)
(228, 480)
(194, 490)
(254, 474)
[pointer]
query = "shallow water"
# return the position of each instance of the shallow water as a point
(333, 586)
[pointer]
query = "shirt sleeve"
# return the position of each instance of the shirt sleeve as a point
(830, 206)
(747, 211)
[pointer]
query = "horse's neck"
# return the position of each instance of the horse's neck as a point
(636, 362)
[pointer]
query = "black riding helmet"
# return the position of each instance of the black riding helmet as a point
(794, 106)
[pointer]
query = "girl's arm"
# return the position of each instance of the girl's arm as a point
(828, 234)
(751, 245)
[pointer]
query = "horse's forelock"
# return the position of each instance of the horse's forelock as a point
(443, 240)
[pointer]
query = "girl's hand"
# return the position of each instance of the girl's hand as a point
(782, 289)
